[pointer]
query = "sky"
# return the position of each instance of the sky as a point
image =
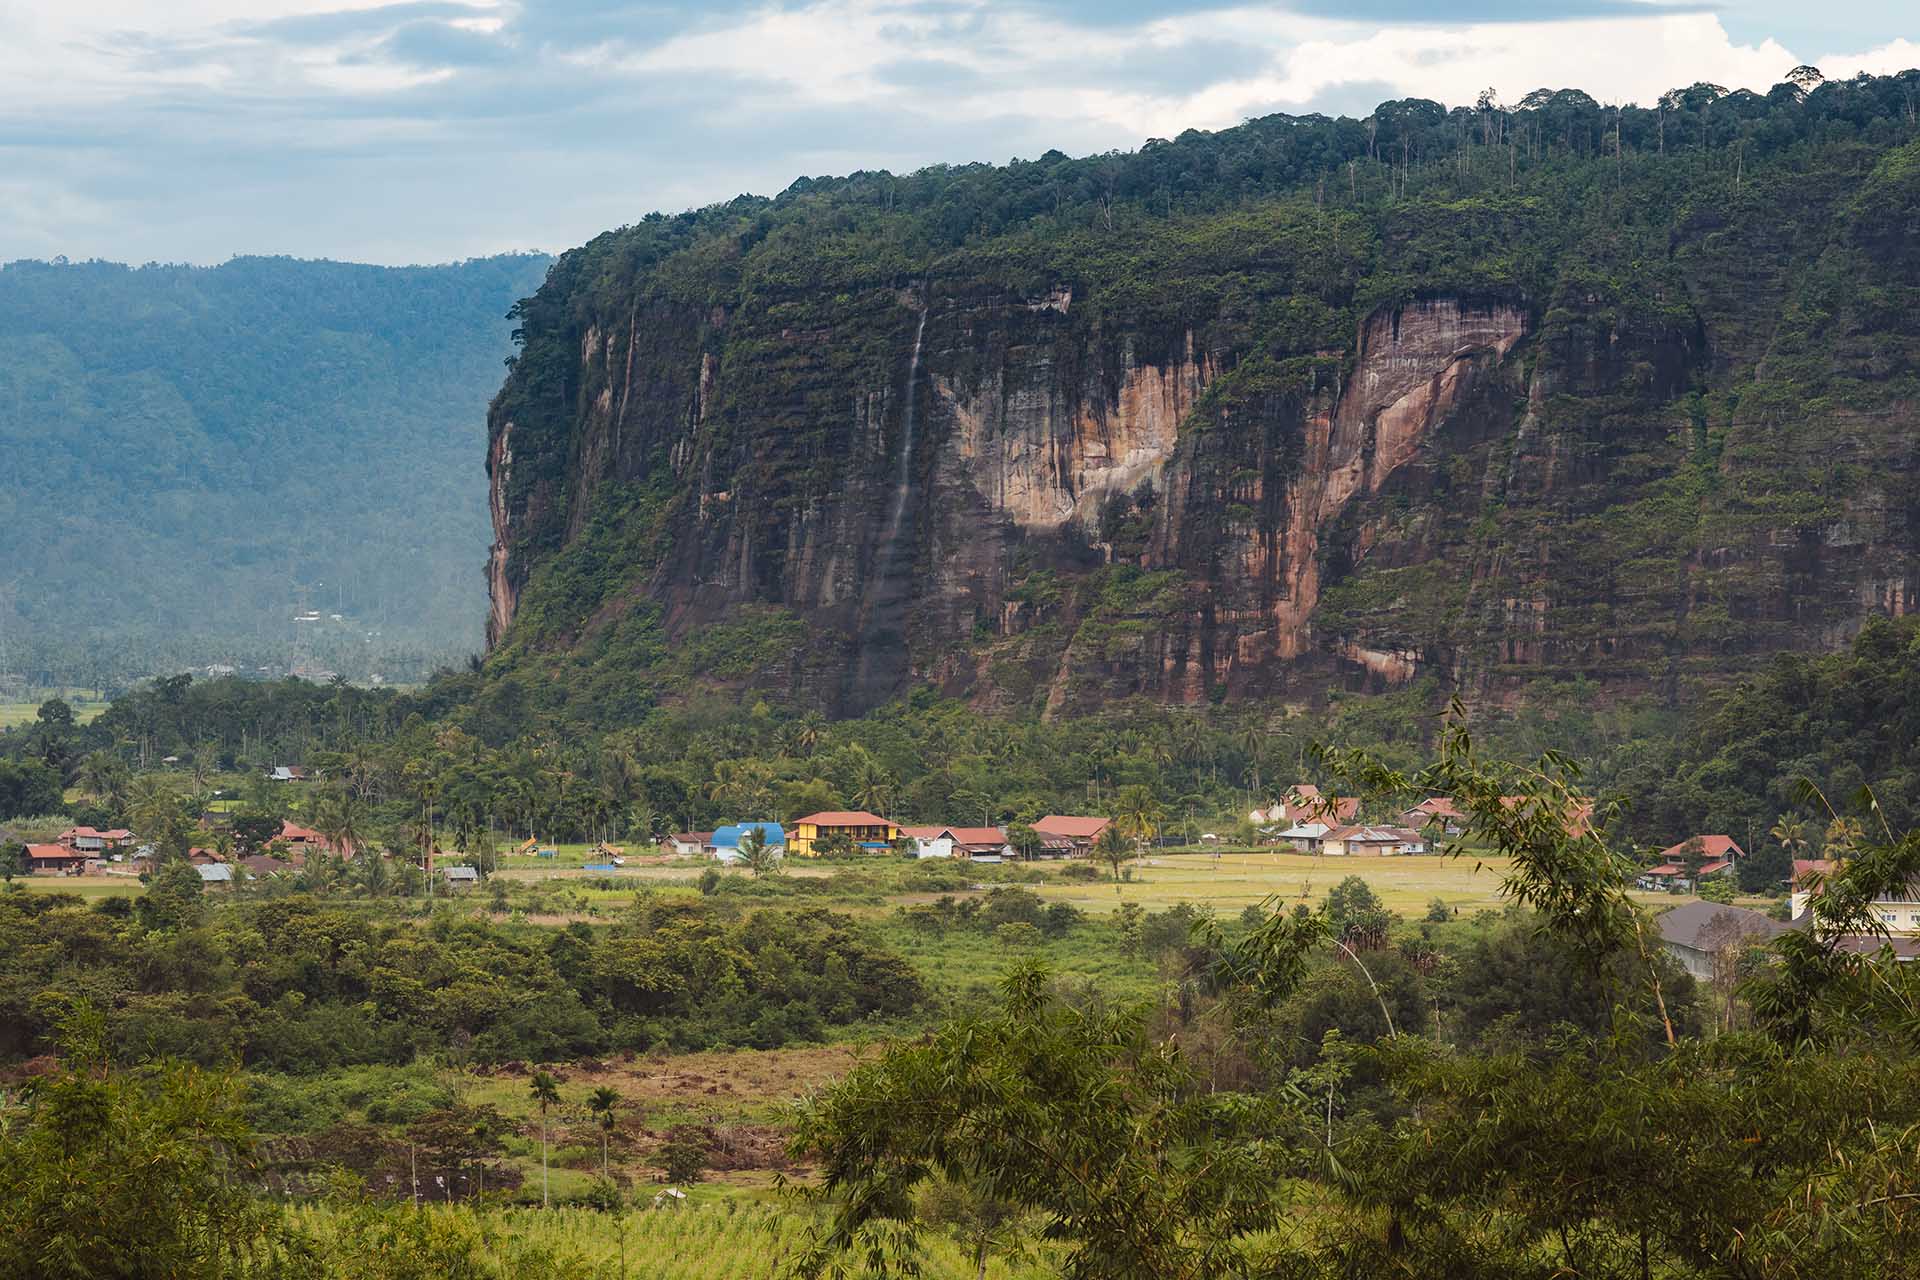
(434, 130)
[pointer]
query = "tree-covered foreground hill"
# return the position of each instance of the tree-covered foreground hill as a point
(185, 449)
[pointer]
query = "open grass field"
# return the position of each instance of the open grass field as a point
(707, 1238)
(1233, 881)
(87, 705)
(92, 888)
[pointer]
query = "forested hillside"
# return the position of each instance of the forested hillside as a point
(187, 454)
(1480, 394)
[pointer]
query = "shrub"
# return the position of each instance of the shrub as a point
(1017, 935)
(683, 1156)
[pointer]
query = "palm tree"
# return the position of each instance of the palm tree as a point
(545, 1091)
(1111, 847)
(348, 823)
(153, 808)
(643, 820)
(98, 773)
(1138, 813)
(1791, 834)
(873, 788)
(373, 876)
(1253, 739)
(602, 1102)
(760, 857)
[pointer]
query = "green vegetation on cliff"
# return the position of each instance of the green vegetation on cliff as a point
(1628, 393)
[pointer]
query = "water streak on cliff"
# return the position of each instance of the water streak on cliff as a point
(883, 614)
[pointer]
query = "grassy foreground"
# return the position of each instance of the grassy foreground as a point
(702, 1239)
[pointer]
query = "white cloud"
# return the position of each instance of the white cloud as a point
(831, 53)
(1897, 55)
(195, 127)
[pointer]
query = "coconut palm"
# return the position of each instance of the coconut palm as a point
(1113, 848)
(1790, 832)
(98, 774)
(602, 1102)
(872, 788)
(371, 874)
(760, 857)
(154, 811)
(545, 1091)
(1138, 813)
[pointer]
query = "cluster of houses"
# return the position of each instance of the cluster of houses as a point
(1326, 825)
(84, 850)
(77, 850)
(1061, 836)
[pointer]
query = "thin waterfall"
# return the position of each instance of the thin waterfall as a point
(883, 614)
(901, 485)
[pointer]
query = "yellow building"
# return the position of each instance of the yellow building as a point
(869, 832)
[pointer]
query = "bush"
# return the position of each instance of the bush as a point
(1079, 871)
(1017, 935)
(1012, 906)
(683, 1156)
(1169, 929)
(1438, 912)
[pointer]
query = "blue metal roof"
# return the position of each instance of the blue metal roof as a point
(729, 837)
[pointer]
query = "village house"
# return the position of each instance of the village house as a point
(88, 840)
(869, 832)
(289, 773)
(1371, 842)
(1305, 837)
(460, 877)
(215, 873)
(57, 859)
(1068, 834)
(1305, 803)
(1695, 933)
(301, 841)
(1898, 913)
(726, 841)
(975, 844)
(1716, 855)
(261, 865)
(1435, 811)
(690, 844)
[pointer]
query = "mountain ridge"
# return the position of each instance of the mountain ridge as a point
(197, 450)
(1649, 422)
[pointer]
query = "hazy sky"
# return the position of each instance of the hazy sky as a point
(192, 130)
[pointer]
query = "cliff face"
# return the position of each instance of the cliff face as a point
(1643, 460)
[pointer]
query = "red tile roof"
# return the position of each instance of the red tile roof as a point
(1071, 827)
(843, 818)
(51, 852)
(977, 835)
(1305, 802)
(960, 835)
(1710, 847)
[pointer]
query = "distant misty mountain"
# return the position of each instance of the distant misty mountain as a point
(192, 456)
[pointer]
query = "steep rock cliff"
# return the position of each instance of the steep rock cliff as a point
(1533, 429)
